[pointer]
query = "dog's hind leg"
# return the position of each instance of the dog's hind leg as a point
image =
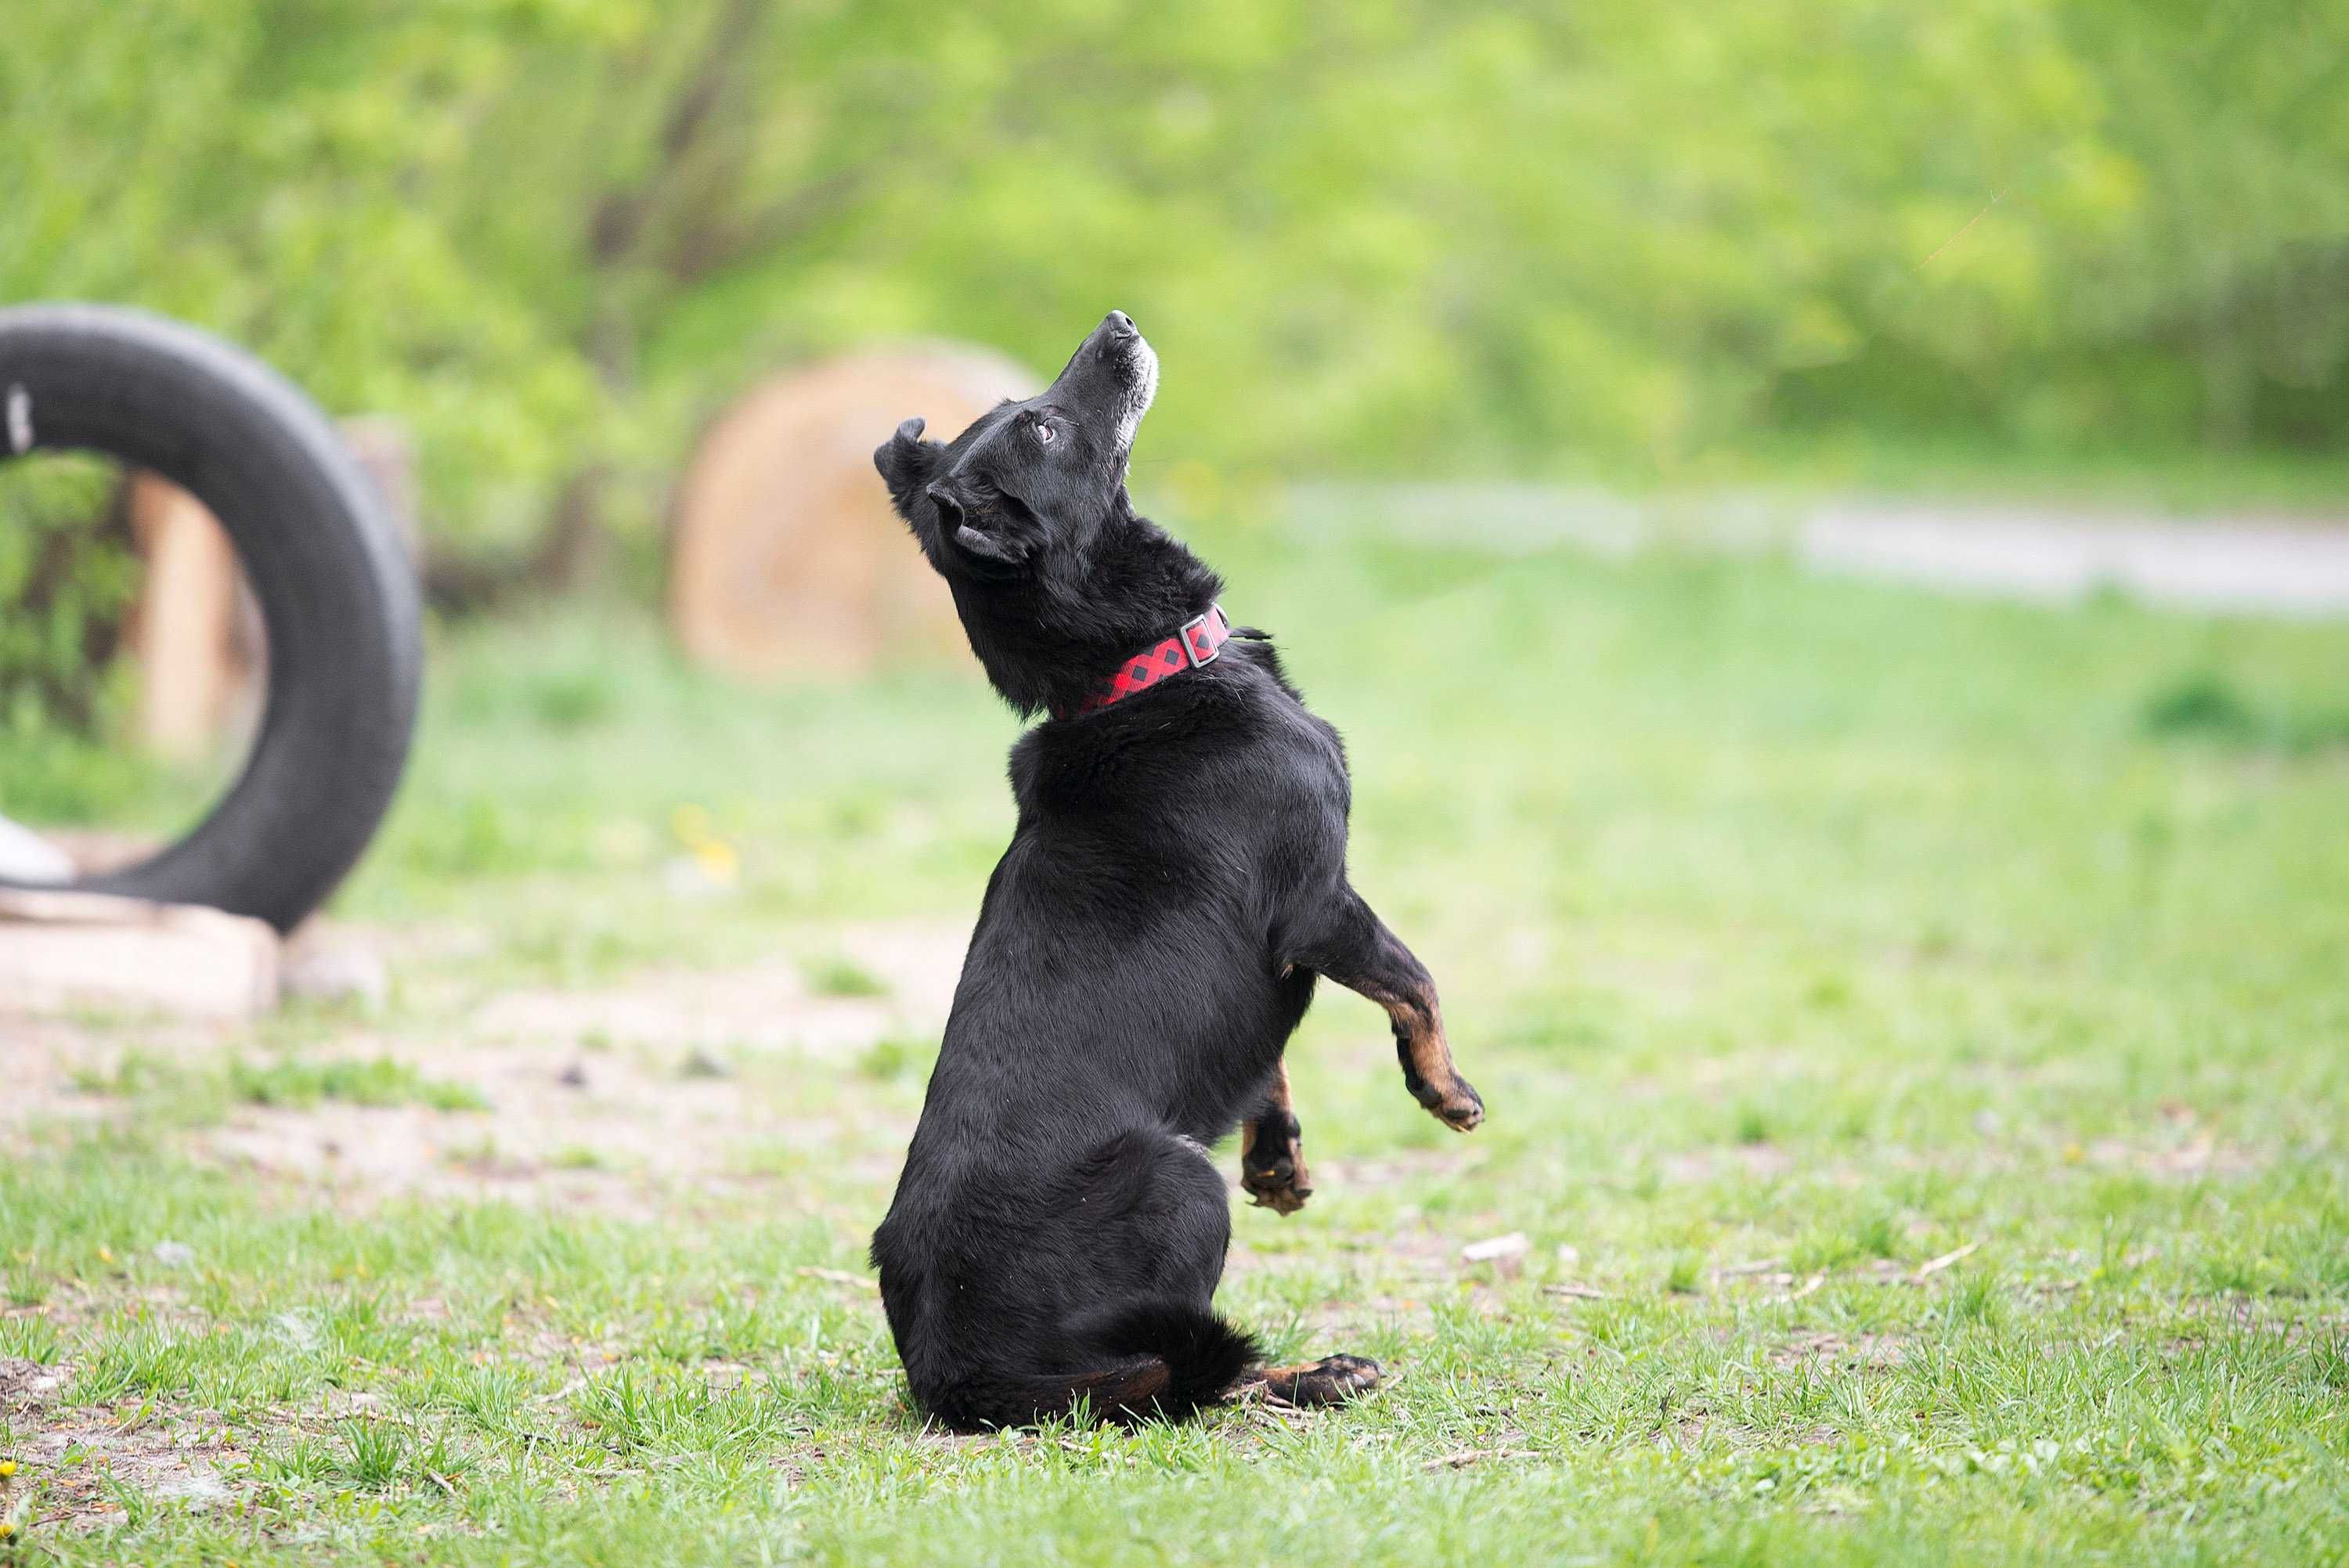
(1332, 1380)
(1272, 1157)
(1354, 948)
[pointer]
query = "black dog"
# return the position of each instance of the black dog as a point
(1177, 880)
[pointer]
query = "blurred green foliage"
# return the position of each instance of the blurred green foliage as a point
(1375, 235)
(66, 578)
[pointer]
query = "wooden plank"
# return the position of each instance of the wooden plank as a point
(192, 673)
(68, 951)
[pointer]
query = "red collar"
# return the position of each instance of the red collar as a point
(1194, 645)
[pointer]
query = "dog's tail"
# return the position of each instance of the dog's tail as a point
(1159, 1359)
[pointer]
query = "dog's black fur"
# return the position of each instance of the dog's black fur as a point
(1177, 880)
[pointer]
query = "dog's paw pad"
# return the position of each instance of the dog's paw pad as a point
(1332, 1380)
(1277, 1191)
(1459, 1106)
(1280, 1183)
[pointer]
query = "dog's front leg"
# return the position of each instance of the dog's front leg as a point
(1272, 1151)
(1357, 951)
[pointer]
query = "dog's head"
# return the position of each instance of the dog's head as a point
(1032, 477)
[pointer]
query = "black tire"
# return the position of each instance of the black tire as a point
(337, 590)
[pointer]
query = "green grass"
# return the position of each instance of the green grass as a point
(841, 976)
(192, 1091)
(1799, 934)
(376, 1080)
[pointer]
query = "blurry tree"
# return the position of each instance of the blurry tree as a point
(1374, 235)
(272, 171)
(66, 576)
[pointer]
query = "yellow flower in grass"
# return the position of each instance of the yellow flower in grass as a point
(717, 860)
(712, 855)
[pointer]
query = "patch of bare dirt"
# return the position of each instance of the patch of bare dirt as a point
(1850, 1352)
(613, 1097)
(767, 1006)
(2200, 1155)
(44, 1060)
(610, 1141)
(69, 1462)
(610, 1129)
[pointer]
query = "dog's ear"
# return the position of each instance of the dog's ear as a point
(906, 462)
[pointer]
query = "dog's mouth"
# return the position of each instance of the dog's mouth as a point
(1135, 363)
(1111, 378)
(1142, 385)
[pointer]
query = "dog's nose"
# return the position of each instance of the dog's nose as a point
(1121, 325)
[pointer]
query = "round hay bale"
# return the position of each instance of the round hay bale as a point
(784, 556)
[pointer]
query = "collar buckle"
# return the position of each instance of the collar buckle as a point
(1200, 644)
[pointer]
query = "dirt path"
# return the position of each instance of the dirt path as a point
(2268, 565)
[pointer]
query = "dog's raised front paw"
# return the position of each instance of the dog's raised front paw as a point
(1455, 1102)
(1272, 1167)
(1460, 1107)
(1279, 1184)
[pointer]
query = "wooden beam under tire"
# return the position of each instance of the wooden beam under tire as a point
(68, 952)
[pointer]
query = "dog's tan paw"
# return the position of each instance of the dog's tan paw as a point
(1272, 1168)
(1462, 1110)
(1332, 1380)
(1455, 1103)
(1279, 1184)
